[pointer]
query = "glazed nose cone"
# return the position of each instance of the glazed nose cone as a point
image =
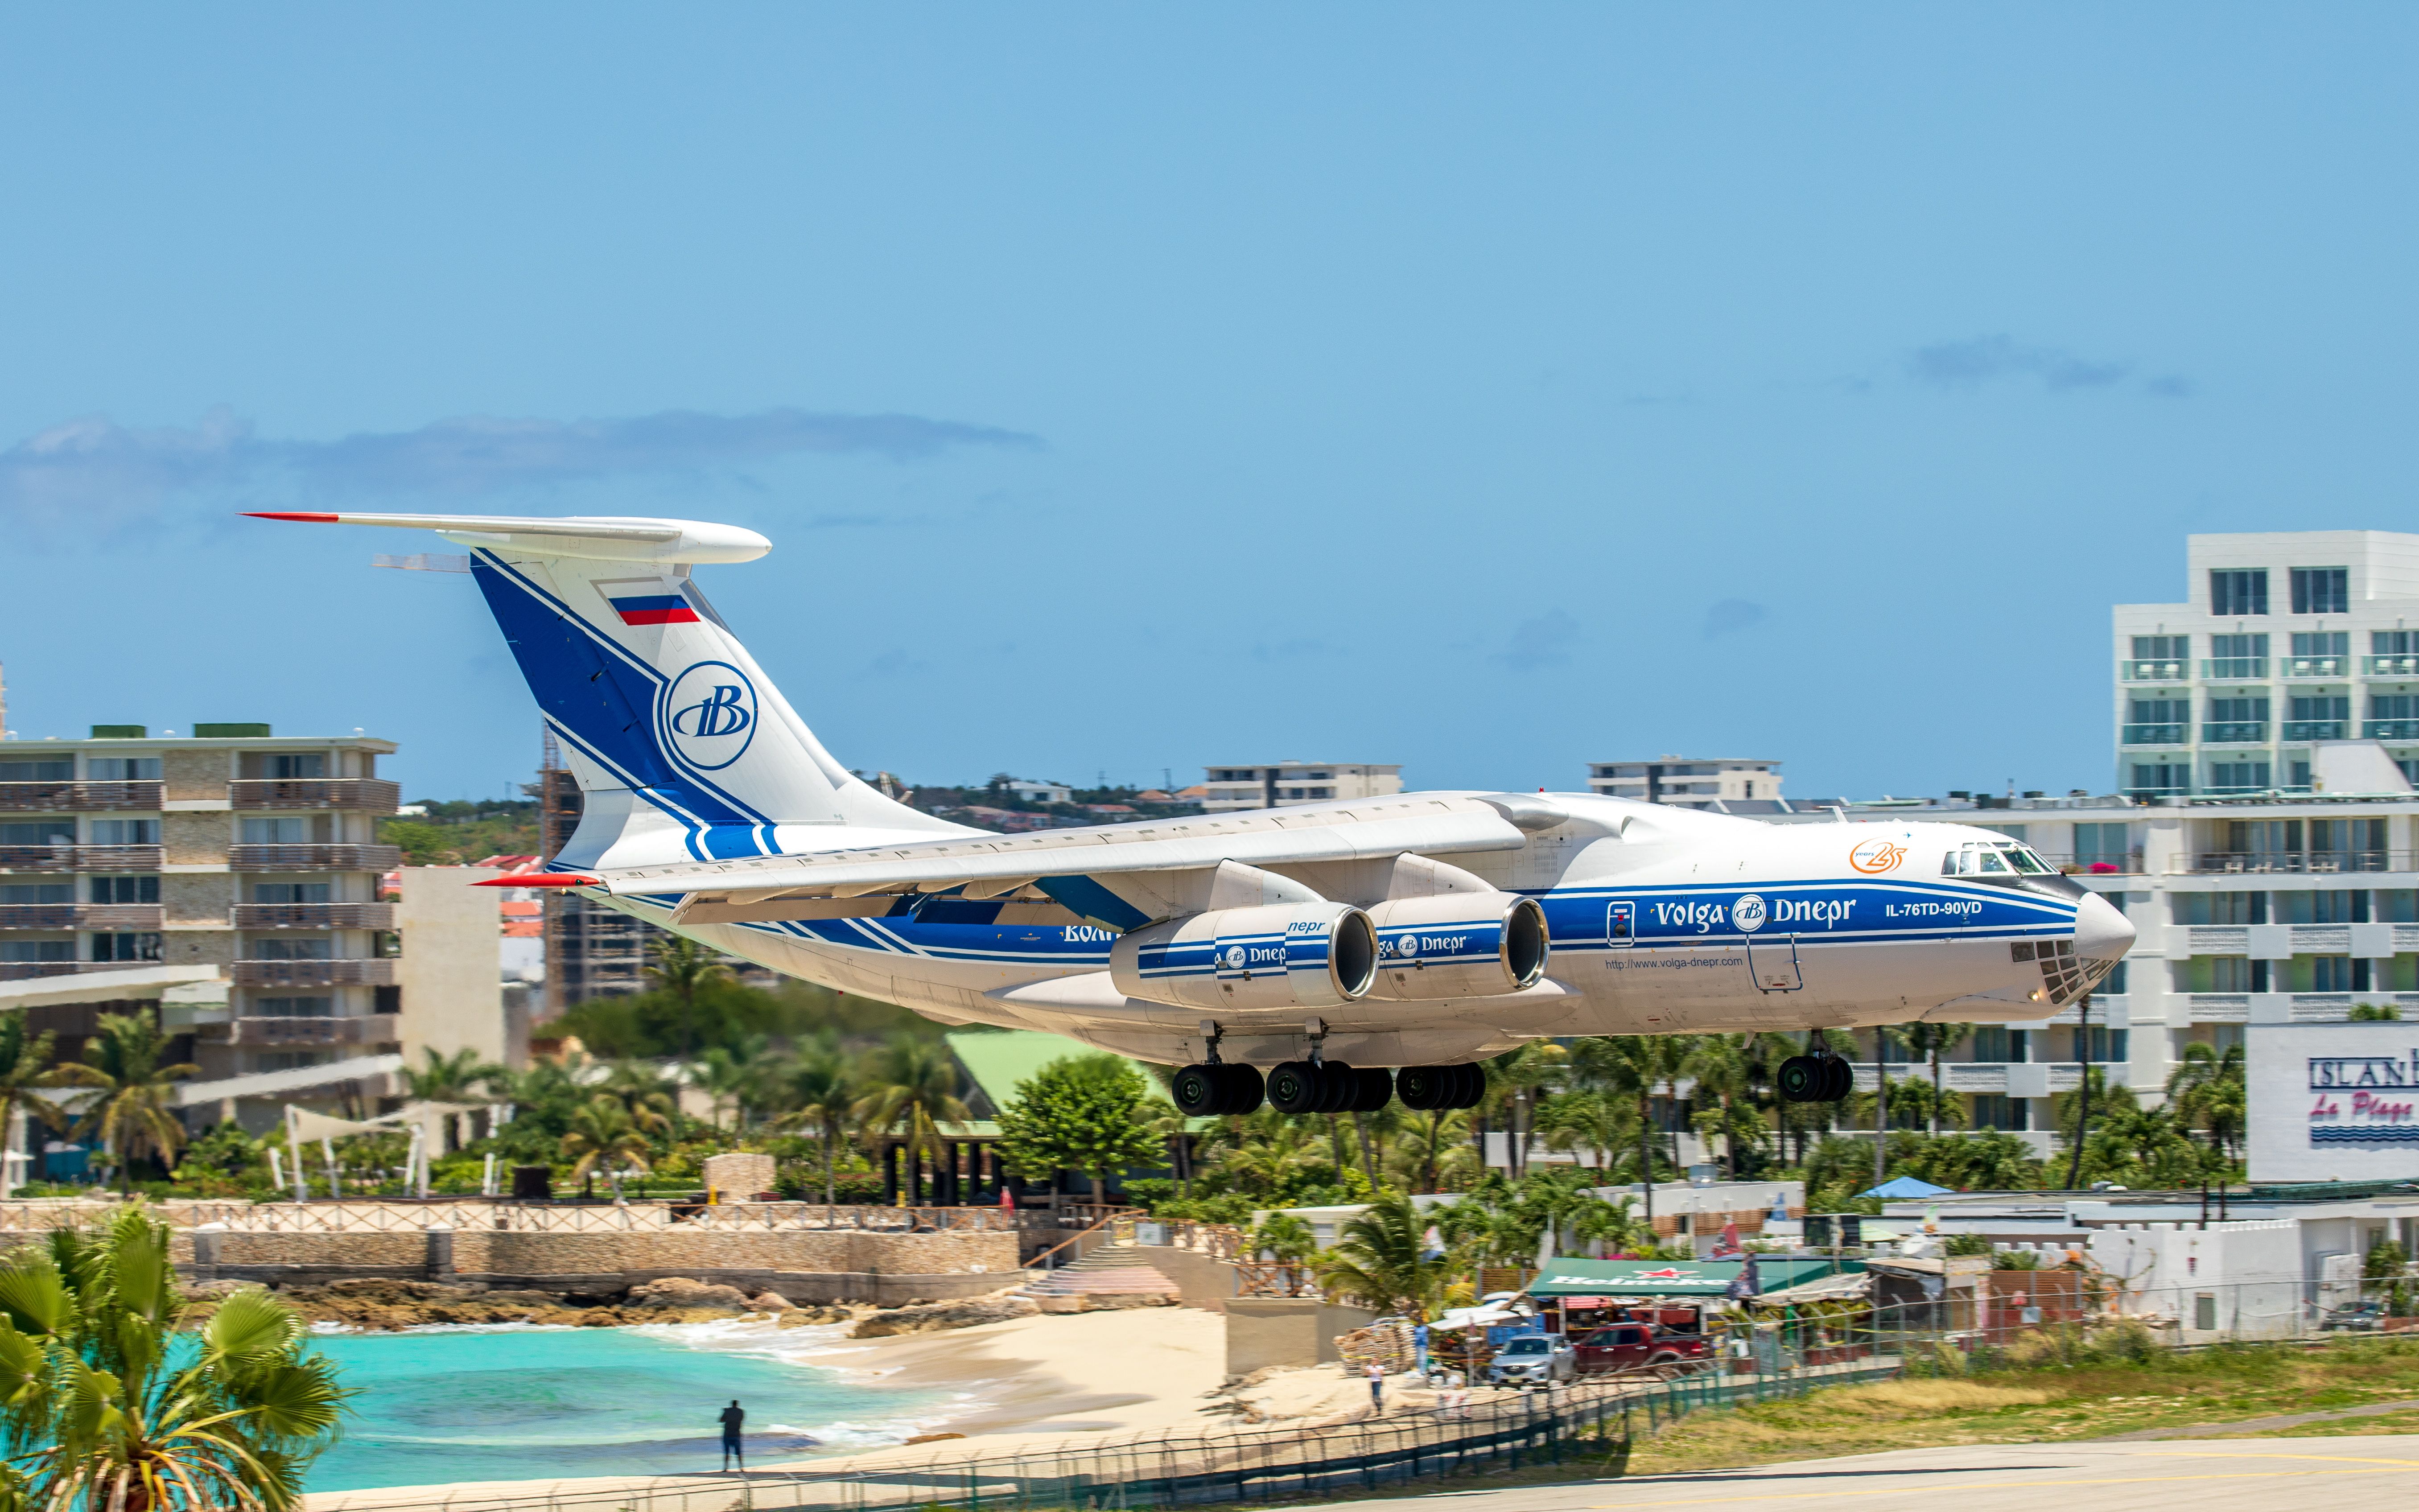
(2102, 933)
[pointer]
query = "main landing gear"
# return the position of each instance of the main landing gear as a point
(1318, 1085)
(1816, 1078)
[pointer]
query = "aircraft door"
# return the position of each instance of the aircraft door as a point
(1772, 962)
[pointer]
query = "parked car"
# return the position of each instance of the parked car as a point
(1532, 1359)
(2363, 1317)
(1644, 1346)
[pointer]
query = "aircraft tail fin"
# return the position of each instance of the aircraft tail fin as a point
(682, 746)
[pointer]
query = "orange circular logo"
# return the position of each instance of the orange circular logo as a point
(1875, 855)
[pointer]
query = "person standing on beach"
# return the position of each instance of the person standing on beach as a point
(1377, 1374)
(732, 1419)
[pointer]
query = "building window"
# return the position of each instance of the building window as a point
(2317, 717)
(2239, 777)
(2238, 590)
(1997, 1041)
(2218, 908)
(14, 951)
(2106, 1044)
(39, 832)
(289, 1059)
(2329, 974)
(125, 947)
(2113, 983)
(2102, 848)
(1994, 1111)
(2318, 591)
(294, 1007)
(2161, 776)
(285, 766)
(2161, 647)
(2323, 644)
(2394, 642)
(44, 771)
(2235, 719)
(122, 768)
(2330, 906)
(124, 889)
(290, 892)
(38, 892)
(301, 949)
(125, 832)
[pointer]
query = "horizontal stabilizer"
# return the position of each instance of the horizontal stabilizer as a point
(606, 538)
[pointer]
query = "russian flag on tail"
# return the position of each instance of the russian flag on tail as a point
(654, 609)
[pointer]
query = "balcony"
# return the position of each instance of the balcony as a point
(374, 793)
(2152, 734)
(2318, 862)
(2314, 665)
(2389, 729)
(79, 857)
(315, 915)
(80, 797)
(2226, 669)
(2157, 671)
(80, 915)
(2313, 729)
(315, 857)
(28, 970)
(312, 974)
(375, 1028)
(2218, 1008)
(2389, 666)
(2235, 732)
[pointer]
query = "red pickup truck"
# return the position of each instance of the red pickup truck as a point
(1616, 1348)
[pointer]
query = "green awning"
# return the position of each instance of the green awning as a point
(1674, 1278)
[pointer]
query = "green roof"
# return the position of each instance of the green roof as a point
(1671, 1278)
(999, 1059)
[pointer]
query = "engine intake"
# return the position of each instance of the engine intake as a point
(1277, 955)
(1459, 945)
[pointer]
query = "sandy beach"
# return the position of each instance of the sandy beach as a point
(1026, 1385)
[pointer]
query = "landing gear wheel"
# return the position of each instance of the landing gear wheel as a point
(1295, 1086)
(1842, 1080)
(1800, 1079)
(1198, 1090)
(1474, 1086)
(1242, 1088)
(1338, 1082)
(1373, 1087)
(1426, 1088)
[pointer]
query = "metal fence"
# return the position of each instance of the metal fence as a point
(1596, 1419)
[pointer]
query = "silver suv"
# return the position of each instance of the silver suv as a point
(1531, 1360)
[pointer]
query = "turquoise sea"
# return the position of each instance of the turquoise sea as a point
(515, 1403)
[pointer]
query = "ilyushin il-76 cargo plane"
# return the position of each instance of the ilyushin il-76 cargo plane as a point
(1325, 957)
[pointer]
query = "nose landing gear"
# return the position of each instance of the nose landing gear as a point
(1821, 1077)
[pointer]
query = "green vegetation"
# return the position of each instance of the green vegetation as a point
(460, 832)
(2054, 1384)
(107, 1405)
(1091, 1114)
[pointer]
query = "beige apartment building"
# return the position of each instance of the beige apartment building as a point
(228, 847)
(1285, 785)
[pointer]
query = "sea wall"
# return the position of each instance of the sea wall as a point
(802, 1265)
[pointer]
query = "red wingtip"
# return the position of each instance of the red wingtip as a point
(306, 519)
(541, 879)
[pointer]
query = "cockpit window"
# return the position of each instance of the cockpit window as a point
(1994, 859)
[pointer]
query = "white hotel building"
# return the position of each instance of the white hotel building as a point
(2266, 842)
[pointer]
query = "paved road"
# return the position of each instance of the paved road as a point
(2208, 1476)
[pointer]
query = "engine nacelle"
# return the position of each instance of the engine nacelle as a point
(1459, 945)
(1276, 955)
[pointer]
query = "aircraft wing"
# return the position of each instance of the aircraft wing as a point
(996, 866)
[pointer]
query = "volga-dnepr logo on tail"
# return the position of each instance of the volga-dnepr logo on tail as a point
(711, 714)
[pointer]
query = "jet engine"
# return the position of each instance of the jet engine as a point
(1274, 955)
(1459, 945)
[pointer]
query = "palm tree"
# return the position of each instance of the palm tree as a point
(1720, 1065)
(604, 1133)
(25, 1065)
(1380, 1259)
(1593, 1121)
(1286, 1240)
(652, 1102)
(912, 1089)
(1931, 1041)
(1633, 1065)
(681, 965)
(2207, 1088)
(134, 1113)
(818, 1087)
(1513, 1079)
(1432, 1153)
(105, 1409)
(732, 1077)
(455, 1078)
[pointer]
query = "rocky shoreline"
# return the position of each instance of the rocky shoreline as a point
(383, 1305)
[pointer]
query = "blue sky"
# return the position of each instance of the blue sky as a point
(1488, 388)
